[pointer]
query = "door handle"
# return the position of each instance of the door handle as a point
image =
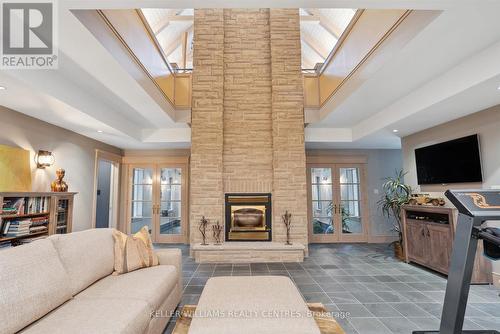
(428, 233)
(423, 232)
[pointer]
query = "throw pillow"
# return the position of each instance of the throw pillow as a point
(133, 252)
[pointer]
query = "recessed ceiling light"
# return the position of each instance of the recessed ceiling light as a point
(395, 130)
(99, 131)
(2, 88)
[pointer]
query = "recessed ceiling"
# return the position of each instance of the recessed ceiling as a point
(447, 70)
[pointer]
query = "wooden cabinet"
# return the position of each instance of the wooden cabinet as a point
(429, 244)
(439, 246)
(416, 238)
(428, 234)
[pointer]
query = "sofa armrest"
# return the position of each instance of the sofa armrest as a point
(173, 257)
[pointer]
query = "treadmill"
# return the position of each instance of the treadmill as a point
(474, 207)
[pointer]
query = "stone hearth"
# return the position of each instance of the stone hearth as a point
(248, 252)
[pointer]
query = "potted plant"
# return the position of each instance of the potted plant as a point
(396, 194)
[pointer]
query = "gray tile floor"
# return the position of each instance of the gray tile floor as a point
(362, 285)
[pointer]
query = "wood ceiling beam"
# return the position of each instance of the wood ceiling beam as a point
(172, 46)
(308, 61)
(180, 40)
(314, 45)
(184, 48)
(167, 20)
(332, 28)
(315, 16)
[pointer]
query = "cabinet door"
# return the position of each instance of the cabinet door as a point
(417, 242)
(440, 245)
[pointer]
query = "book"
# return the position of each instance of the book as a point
(13, 206)
(19, 228)
(5, 228)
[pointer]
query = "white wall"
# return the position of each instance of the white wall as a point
(73, 152)
(486, 124)
(380, 164)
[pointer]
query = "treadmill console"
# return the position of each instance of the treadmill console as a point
(482, 204)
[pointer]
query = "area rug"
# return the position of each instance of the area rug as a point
(323, 318)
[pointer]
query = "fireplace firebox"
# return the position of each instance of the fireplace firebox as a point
(248, 217)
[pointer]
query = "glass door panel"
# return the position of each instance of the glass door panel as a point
(350, 200)
(322, 208)
(170, 201)
(62, 216)
(142, 199)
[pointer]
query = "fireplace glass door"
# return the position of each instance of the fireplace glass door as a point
(336, 203)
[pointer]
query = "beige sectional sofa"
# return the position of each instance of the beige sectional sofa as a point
(64, 284)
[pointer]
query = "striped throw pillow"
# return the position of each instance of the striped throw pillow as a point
(133, 252)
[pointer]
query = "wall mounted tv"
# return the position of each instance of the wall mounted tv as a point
(454, 161)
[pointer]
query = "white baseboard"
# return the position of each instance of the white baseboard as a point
(381, 239)
(496, 279)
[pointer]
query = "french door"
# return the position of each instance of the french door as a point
(337, 203)
(158, 198)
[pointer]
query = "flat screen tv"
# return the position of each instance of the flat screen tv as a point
(454, 161)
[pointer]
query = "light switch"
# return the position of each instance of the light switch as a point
(375, 191)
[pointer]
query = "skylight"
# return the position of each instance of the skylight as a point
(173, 30)
(320, 32)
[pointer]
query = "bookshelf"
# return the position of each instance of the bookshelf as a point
(26, 216)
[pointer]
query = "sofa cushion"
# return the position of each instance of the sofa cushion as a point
(103, 316)
(32, 283)
(87, 256)
(133, 252)
(152, 285)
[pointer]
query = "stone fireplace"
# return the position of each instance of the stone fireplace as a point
(247, 128)
(248, 217)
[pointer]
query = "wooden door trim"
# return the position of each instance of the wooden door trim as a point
(115, 160)
(133, 159)
(346, 161)
(336, 159)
